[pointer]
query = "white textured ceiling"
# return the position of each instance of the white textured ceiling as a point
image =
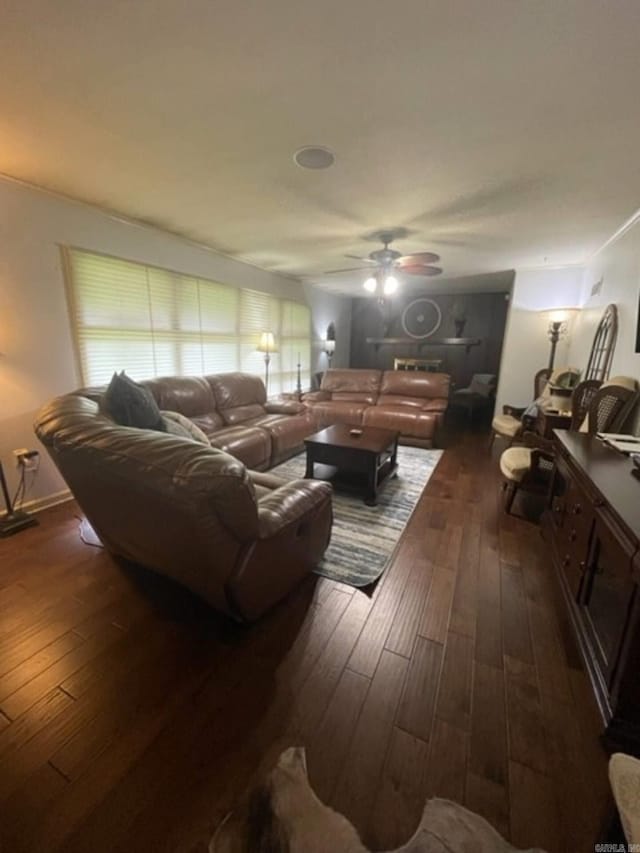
(502, 133)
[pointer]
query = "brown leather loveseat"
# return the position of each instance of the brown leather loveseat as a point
(238, 538)
(232, 410)
(411, 402)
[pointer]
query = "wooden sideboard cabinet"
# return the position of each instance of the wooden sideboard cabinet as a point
(593, 526)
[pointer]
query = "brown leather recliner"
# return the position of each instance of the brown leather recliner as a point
(343, 396)
(241, 400)
(185, 510)
(232, 410)
(413, 403)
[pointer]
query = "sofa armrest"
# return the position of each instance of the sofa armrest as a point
(283, 407)
(438, 404)
(316, 397)
(290, 504)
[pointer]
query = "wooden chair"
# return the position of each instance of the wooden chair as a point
(595, 408)
(512, 424)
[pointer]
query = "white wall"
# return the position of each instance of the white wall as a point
(38, 360)
(526, 345)
(329, 308)
(618, 266)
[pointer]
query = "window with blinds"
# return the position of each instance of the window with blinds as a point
(153, 322)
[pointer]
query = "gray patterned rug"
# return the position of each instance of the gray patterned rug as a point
(364, 537)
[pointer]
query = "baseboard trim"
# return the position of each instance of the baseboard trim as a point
(38, 504)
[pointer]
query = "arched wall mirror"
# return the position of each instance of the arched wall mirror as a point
(603, 346)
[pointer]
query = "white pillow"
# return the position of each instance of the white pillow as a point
(177, 424)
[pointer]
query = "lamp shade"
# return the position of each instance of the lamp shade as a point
(267, 342)
(559, 315)
(329, 346)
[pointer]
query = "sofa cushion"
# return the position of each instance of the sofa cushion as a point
(407, 420)
(242, 414)
(414, 383)
(338, 412)
(284, 407)
(232, 390)
(287, 432)
(352, 385)
(365, 398)
(209, 423)
(177, 424)
(189, 395)
(251, 445)
(397, 400)
(132, 405)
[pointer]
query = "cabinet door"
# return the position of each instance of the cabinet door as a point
(571, 520)
(608, 592)
(559, 488)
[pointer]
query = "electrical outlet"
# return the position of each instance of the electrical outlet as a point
(27, 459)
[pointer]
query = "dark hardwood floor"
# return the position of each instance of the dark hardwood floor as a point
(132, 717)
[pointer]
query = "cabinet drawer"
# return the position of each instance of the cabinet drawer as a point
(573, 536)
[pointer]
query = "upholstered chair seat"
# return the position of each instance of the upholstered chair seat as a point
(506, 425)
(515, 462)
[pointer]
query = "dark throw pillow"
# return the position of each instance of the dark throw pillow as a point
(130, 404)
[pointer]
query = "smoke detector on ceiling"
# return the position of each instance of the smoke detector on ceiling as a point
(314, 157)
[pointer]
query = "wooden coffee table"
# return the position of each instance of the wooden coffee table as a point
(365, 460)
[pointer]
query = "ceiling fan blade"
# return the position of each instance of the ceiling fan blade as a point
(420, 269)
(359, 258)
(418, 258)
(348, 269)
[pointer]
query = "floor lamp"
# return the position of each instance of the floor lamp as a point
(14, 520)
(267, 345)
(559, 320)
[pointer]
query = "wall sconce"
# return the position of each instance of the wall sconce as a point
(559, 321)
(329, 343)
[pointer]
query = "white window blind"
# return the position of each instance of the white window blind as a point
(154, 322)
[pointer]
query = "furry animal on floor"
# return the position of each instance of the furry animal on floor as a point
(283, 815)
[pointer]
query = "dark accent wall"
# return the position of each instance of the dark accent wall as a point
(486, 318)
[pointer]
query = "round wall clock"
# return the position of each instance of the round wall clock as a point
(421, 318)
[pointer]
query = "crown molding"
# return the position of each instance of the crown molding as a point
(116, 216)
(626, 226)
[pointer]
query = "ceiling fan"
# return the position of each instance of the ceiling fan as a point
(385, 262)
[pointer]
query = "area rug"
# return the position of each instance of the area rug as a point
(364, 537)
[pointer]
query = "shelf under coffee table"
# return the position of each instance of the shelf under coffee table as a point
(363, 461)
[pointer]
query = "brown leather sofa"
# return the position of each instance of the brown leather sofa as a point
(412, 402)
(232, 410)
(239, 539)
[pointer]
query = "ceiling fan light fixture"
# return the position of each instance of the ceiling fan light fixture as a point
(390, 285)
(370, 285)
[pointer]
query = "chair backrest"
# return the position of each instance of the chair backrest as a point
(610, 406)
(581, 400)
(559, 377)
(483, 384)
(540, 381)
